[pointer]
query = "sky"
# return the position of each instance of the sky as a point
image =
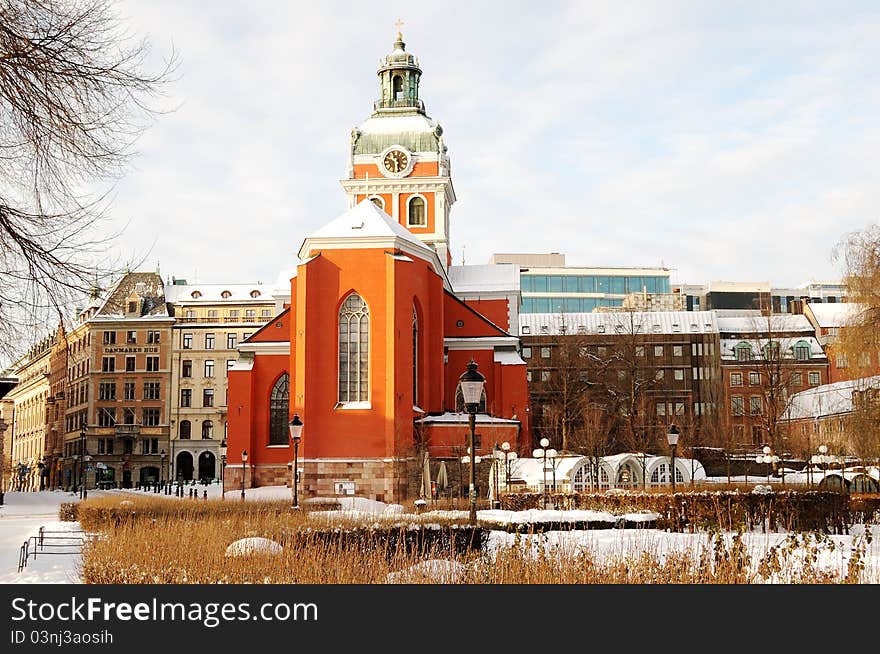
(734, 141)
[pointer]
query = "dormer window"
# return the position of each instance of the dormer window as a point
(196, 295)
(526, 329)
(225, 295)
(802, 351)
(255, 294)
(600, 329)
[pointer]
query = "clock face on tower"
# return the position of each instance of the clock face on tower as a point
(395, 161)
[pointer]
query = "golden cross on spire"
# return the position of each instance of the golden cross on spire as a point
(399, 25)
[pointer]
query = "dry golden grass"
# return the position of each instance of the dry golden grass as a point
(180, 541)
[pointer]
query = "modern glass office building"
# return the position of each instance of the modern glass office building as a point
(578, 290)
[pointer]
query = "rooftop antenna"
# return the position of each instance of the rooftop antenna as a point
(462, 255)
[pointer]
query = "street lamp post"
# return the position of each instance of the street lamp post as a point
(3, 426)
(672, 439)
(296, 427)
(223, 447)
(83, 493)
(823, 459)
(508, 457)
(769, 458)
(543, 453)
(162, 457)
(497, 457)
(471, 383)
(244, 458)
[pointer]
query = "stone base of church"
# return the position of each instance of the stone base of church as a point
(376, 479)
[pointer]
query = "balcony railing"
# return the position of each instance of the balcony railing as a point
(127, 431)
(399, 104)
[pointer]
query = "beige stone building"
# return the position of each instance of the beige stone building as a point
(210, 321)
(28, 400)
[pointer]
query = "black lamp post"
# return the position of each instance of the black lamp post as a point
(83, 493)
(3, 426)
(244, 458)
(223, 447)
(296, 427)
(672, 439)
(162, 456)
(471, 383)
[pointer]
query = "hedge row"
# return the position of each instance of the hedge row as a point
(811, 510)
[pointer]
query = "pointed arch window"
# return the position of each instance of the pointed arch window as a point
(354, 350)
(279, 411)
(415, 357)
(416, 211)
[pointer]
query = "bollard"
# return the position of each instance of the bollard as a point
(205, 494)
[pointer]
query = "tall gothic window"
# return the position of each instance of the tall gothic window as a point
(417, 211)
(279, 410)
(415, 357)
(354, 350)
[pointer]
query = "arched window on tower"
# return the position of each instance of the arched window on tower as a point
(416, 211)
(354, 350)
(415, 357)
(397, 87)
(279, 411)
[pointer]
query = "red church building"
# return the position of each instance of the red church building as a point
(379, 326)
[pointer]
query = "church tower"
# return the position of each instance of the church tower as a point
(398, 159)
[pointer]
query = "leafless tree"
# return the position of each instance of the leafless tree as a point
(74, 97)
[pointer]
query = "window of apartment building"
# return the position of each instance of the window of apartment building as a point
(658, 374)
(230, 341)
(189, 313)
(107, 390)
(212, 314)
(814, 378)
(132, 307)
(233, 315)
(151, 416)
(105, 446)
(840, 360)
(107, 416)
(802, 351)
(152, 364)
(545, 352)
(208, 397)
(755, 405)
(601, 351)
(527, 353)
(185, 430)
(187, 341)
(265, 313)
(738, 433)
(736, 405)
(108, 364)
(754, 379)
(736, 379)
(679, 374)
(229, 364)
(864, 359)
(250, 315)
(128, 390)
(209, 368)
(677, 351)
(186, 368)
(128, 416)
(207, 429)
(640, 350)
(743, 352)
(661, 408)
(109, 338)
(245, 336)
(131, 337)
(756, 435)
(151, 390)
(545, 375)
(209, 341)
(528, 375)
(658, 350)
(130, 364)
(150, 446)
(186, 397)
(679, 408)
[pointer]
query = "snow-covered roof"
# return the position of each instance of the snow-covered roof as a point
(728, 346)
(531, 470)
(828, 399)
(496, 277)
(783, 322)
(508, 358)
(416, 132)
(214, 293)
(453, 417)
(623, 322)
(149, 290)
(833, 314)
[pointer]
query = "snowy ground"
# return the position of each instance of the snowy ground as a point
(24, 513)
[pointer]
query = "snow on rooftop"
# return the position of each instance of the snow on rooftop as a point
(622, 322)
(833, 314)
(452, 417)
(397, 123)
(363, 221)
(209, 293)
(828, 399)
(484, 278)
(784, 322)
(728, 346)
